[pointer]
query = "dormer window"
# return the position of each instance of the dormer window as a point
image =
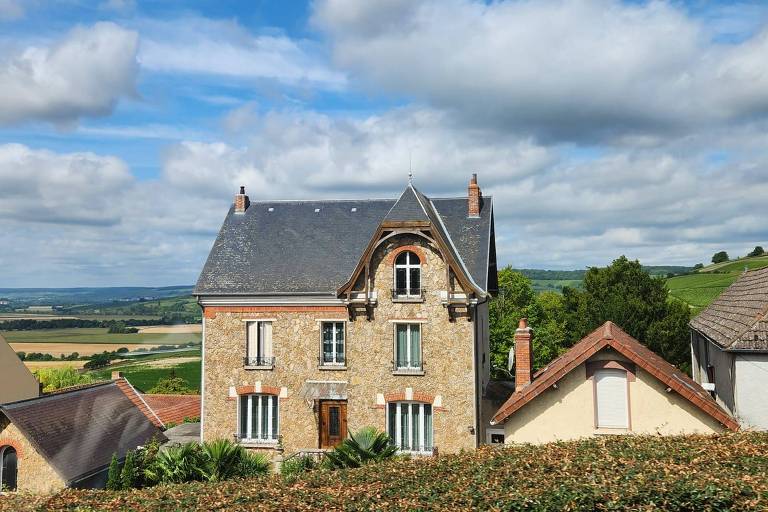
(407, 276)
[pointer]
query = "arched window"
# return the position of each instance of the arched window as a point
(9, 463)
(407, 275)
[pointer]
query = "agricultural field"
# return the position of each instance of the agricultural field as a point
(699, 289)
(98, 335)
(144, 374)
(726, 472)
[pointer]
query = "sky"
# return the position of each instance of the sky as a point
(600, 127)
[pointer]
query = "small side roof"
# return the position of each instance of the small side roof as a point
(77, 431)
(610, 335)
(738, 318)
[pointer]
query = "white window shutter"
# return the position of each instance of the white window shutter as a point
(611, 392)
(253, 339)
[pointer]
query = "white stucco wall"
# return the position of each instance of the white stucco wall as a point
(751, 371)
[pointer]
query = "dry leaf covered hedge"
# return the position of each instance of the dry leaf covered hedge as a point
(724, 472)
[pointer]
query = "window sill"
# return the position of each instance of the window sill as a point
(262, 367)
(332, 367)
(403, 371)
(407, 299)
(254, 443)
(611, 431)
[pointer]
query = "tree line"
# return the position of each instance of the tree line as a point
(622, 292)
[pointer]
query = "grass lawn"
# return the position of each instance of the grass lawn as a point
(698, 290)
(144, 376)
(738, 265)
(96, 335)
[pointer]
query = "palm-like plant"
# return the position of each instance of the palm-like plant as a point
(366, 445)
(177, 464)
(223, 460)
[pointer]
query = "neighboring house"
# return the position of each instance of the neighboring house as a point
(729, 348)
(67, 439)
(174, 409)
(321, 317)
(608, 383)
(16, 381)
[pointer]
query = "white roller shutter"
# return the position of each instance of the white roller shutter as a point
(611, 391)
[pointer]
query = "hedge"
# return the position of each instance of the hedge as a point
(721, 472)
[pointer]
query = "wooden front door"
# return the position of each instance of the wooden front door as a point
(333, 423)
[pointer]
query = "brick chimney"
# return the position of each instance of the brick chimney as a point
(523, 355)
(241, 201)
(473, 197)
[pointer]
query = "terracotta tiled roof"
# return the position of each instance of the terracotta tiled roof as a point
(610, 335)
(174, 408)
(138, 401)
(738, 318)
(78, 430)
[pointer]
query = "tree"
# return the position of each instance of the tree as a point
(129, 476)
(698, 266)
(720, 257)
(97, 361)
(757, 251)
(113, 476)
(637, 302)
(172, 386)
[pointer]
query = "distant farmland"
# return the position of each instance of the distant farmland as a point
(98, 335)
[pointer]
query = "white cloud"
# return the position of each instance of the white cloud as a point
(84, 74)
(223, 47)
(565, 69)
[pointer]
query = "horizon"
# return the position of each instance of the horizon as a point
(127, 127)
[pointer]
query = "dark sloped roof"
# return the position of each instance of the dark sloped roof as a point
(78, 431)
(295, 249)
(610, 335)
(408, 207)
(738, 318)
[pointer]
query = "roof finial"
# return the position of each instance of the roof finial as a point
(410, 167)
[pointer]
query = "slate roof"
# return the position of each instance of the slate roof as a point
(313, 247)
(77, 431)
(610, 335)
(738, 318)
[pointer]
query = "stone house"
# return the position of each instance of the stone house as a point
(16, 381)
(729, 348)
(606, 384)
(67, 438)
(321, 317)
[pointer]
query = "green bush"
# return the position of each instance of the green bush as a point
(172, 386)
(113, 475)
(297, 465)
(129, 476)
(366, 445)
(176, 464)
(54, 379)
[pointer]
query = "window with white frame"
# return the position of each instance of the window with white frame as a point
(407, 275)
(259, 343)
(408, 346)
(259, 418)
(612, 405)
(333, 343)
(409, 425)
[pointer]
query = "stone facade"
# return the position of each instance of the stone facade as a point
(448, 380)
(34, 472)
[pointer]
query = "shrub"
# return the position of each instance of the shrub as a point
(297, 465)
(176, 464)
(129, 476)
(97, 361)
(172, 386)
(221, 459)
(113, 476)
(53, 379)
(366, 445)
(253, 464)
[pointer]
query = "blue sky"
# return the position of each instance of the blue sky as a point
(600, 127)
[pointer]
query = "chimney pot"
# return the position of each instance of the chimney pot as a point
(523, 355)
(473, 197)
(241, 201)
(117, 375)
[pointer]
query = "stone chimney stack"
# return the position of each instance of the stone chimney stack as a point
(473, 197)
(523, 355)
(117, 375)
(241, 201)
